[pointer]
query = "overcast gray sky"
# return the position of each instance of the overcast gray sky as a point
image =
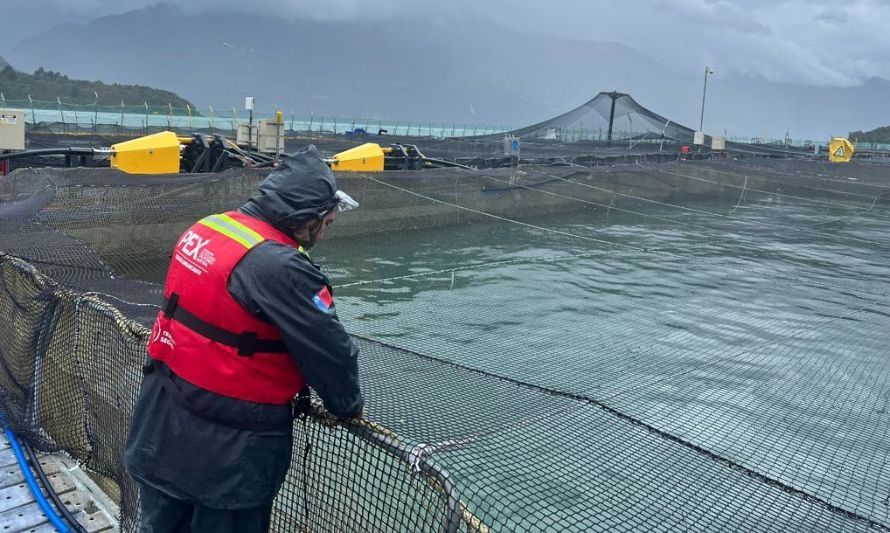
(815, 42)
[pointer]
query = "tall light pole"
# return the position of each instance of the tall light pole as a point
(704, 95)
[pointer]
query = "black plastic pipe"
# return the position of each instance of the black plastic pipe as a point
(63, 510)
(69, 151)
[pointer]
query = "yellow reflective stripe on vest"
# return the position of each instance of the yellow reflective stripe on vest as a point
(232, 229)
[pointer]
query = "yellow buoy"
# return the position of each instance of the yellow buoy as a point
(368, 157)
(840, 150)
(152, 154)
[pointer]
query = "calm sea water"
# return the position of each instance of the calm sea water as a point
(759, 335)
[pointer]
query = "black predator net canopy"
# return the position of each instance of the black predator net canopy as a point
(606, 117)
(691, 346)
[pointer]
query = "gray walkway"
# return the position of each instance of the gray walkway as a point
(19, 512)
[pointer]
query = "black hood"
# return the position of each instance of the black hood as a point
(300, 189)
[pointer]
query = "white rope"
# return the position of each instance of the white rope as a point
(699, 211)
(505, 219)
(781, 195)
(742, 195)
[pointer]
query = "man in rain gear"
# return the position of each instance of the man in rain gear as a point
(248, 322)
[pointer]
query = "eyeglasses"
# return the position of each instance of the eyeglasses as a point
(344, 202)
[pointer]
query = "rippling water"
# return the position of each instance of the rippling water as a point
(756, 331)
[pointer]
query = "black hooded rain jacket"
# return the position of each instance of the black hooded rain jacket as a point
(211, 453)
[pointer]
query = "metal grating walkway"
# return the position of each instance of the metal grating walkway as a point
(20, 513)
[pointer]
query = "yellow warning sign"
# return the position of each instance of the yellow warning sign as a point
(841, 150)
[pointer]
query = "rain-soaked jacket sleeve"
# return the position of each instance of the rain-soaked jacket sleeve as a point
(281, 286)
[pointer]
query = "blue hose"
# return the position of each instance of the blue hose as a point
(48, 509)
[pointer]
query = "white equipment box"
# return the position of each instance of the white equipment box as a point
(12, 130)
(262, 136)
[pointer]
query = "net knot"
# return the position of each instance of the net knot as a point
(418, 453)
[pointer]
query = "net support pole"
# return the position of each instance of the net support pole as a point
(614, 96)
(96, 112)
(33, 114)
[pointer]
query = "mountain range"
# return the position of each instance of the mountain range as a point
(424, 69)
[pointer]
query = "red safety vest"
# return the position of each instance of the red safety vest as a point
(203, 334)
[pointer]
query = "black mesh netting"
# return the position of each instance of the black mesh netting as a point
(683, 346)
(592, 121)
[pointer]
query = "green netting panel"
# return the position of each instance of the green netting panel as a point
(23, 306)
